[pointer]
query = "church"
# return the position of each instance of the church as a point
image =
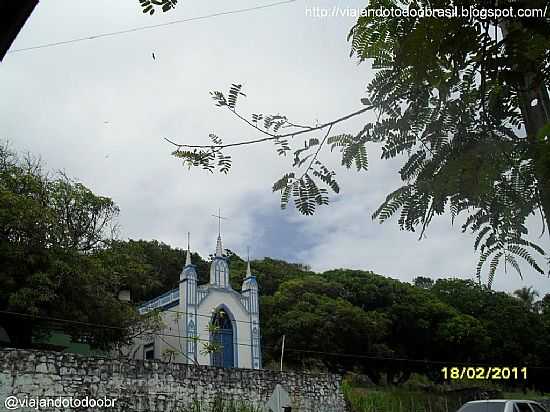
(210, 324)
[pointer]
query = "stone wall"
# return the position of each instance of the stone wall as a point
(154, 385)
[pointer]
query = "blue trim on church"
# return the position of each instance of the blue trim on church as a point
(165, 301)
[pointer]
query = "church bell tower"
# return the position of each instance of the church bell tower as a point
(188, 305)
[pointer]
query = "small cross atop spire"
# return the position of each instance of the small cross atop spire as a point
(188, 257)
(219, 216)
(248, 271)
(219, 248)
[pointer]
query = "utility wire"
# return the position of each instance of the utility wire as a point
(152, 26)
(365, 356)
(102, 326)
(193, 314)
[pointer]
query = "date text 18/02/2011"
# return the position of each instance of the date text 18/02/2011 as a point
(484, 372)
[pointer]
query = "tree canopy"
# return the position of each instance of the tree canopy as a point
(62, 270)
(355, 320)
(59, 259)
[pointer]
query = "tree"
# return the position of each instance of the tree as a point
(314, 319)
(58, 258)
(166, 263)
(545, 305)
(270, 273)
(455, 321)
(464, 99)
(464, 295)
(515, 332)
(527, 296)
(457, 110)
(423, 282)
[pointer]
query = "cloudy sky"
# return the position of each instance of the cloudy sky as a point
(99, 109)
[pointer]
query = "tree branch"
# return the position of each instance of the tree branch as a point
(271, 136)
(317, 152)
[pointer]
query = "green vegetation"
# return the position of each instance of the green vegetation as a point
(220, 405)
(149, 6)
(385, 323)
(59, 261)
(399, 400)
(451, 95)
(423, 396)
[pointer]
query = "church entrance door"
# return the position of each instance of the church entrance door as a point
(223, 335)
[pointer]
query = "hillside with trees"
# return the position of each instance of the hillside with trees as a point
(63, 267)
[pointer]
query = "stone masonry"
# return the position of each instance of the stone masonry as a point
(156, 386)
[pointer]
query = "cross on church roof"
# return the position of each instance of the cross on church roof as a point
(188, 255)
(220, 217)
(248, 272)
(219, 247)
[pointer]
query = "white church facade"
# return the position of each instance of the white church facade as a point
(189, 311)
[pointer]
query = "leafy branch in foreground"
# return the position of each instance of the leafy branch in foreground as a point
(457, 111)
(149, 6)
(308, 182)
(208, 159)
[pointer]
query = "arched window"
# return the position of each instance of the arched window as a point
(221, 272)
(222, 336)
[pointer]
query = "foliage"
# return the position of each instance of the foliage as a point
(454, 109)
(338, 320)
(58, 258)
(221, 405)
(464, 100)
(83, 219)
(149, 6)
(527, 295)
(502, 316)
(545, 306)
(313, 317)
(356, 320)
(308, 184)
(270, 273)
(398, 400)
(166, 262)
(423, 282)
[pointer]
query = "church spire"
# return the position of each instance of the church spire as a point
(188, 257)
(248, 271)
(219, 248)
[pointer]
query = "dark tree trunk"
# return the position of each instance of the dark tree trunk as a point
(536, 116)
(535, 110)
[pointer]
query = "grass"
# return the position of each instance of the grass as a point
(220, 405)
(530, 395)
(398, 400)
(419, 396)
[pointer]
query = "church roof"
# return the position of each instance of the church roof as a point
(171, 298)
(164, 301)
